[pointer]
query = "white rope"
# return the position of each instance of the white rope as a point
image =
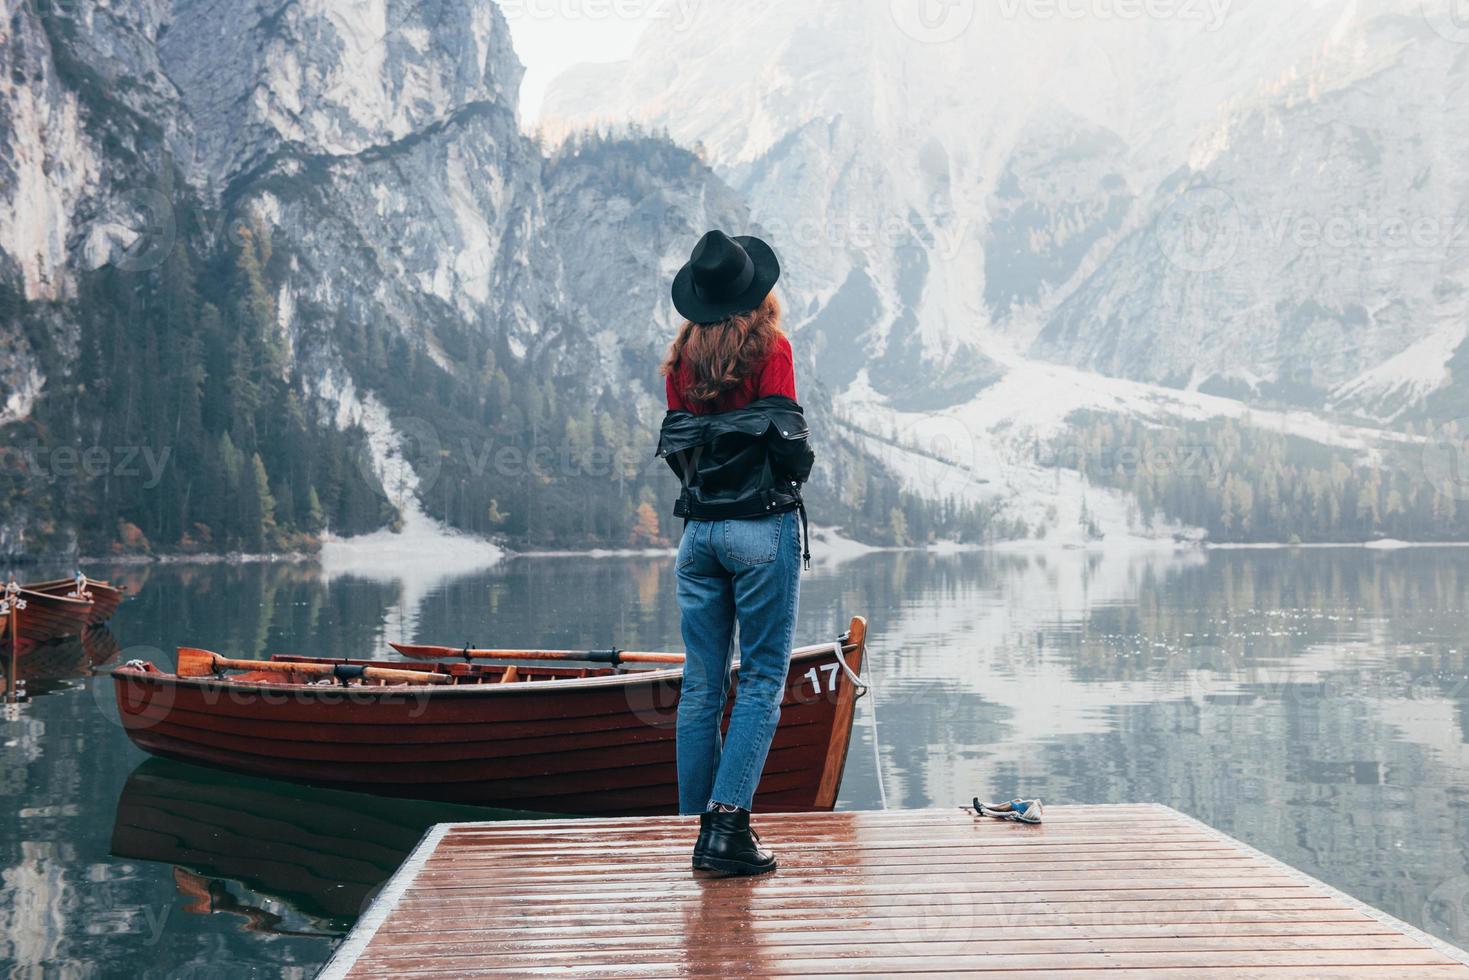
(863, 687)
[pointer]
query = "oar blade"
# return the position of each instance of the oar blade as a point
(193, 662)
(422, 652)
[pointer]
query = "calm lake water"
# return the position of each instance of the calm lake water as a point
(1313, 703)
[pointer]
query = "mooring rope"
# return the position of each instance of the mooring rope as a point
(865, 687)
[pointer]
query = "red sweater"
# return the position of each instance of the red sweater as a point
(776, 375)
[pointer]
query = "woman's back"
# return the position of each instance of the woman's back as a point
(775, 375)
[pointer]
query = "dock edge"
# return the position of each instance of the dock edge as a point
(1413, 932)
(345, 956)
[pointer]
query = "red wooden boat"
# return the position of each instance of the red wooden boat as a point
(48, 617)
(588, 740)
(105, 596)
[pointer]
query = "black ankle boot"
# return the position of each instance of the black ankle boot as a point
(702, 844)
(731, 847)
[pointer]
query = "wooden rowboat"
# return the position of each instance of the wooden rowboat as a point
(105, 596)
(588, 740)
(47, 617)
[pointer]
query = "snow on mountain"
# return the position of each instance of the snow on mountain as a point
(417, 264)
(1310, 240)
(1000, 446)
(1255, 200)
(933, 193)
(990, 220)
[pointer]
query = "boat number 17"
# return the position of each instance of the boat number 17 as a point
(831, 677)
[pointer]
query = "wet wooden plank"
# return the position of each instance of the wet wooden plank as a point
(1093, 891)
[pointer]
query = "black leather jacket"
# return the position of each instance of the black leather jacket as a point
(746, 463)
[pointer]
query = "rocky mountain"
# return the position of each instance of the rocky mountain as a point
(1254, 198)
(302, 256)
(1314, 249)
(946, 188)
(1007, 220)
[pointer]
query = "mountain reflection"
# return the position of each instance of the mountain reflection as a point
(1312, 702)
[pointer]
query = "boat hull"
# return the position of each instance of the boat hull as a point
(48, 617)
(105, 598)
(596, 745)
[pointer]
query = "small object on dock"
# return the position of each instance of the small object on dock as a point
(1016, 811)
(1141, 890)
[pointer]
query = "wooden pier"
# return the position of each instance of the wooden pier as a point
(1136, 890)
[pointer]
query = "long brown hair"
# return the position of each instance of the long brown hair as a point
(721, 355)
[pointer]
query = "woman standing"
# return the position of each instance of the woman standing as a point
(736, 438)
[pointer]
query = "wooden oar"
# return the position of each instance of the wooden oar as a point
(423, 652)
(202, 663)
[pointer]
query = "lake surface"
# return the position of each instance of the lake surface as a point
(1313, 703)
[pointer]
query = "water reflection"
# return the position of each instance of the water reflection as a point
(1314, 703)
(45, 668)
(321, 854)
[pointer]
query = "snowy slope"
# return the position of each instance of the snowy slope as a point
(903, 169)
(1206, 203)
(987, 448)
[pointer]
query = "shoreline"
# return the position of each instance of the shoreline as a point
(845, 550)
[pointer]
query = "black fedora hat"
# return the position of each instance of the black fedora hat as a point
(724, 277)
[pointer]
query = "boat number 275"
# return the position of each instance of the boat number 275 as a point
(814, 676)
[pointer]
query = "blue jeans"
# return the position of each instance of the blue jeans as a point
(746, 572)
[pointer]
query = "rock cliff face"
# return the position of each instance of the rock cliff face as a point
(1314, 248)
(330, 207)
(1251, 198)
